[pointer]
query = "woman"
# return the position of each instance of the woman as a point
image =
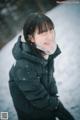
(32, 85)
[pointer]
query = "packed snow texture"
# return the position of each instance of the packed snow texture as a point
(66, 18)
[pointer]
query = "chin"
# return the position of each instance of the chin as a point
(49, 52)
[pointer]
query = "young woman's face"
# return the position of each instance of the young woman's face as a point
(45, 41)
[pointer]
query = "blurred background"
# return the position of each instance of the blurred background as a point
(13, 14)
(66, 16)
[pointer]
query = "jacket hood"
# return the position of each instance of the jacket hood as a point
(22, 50)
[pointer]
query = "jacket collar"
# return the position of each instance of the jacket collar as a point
(27, 52)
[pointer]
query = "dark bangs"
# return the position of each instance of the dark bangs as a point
(44, 23)
(37, 21)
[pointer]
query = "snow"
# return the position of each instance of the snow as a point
(67, 66)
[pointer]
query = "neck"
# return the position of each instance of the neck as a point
(45, 56)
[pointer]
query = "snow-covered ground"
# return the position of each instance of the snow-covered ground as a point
(67, 65)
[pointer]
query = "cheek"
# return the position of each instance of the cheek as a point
(40, 40)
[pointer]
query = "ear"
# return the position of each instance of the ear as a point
(31, 38)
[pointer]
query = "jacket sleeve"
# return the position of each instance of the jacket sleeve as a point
(30, 85)
(52, 83)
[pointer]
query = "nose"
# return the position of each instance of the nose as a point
(49, 36)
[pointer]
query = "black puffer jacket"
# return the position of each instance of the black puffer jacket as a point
(32, 85)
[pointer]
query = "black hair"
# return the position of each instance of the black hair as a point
(36, 20)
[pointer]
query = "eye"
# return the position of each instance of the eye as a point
(44, 33)
(51, 30)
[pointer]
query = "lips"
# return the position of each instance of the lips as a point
(48, 45)
(48, 48)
